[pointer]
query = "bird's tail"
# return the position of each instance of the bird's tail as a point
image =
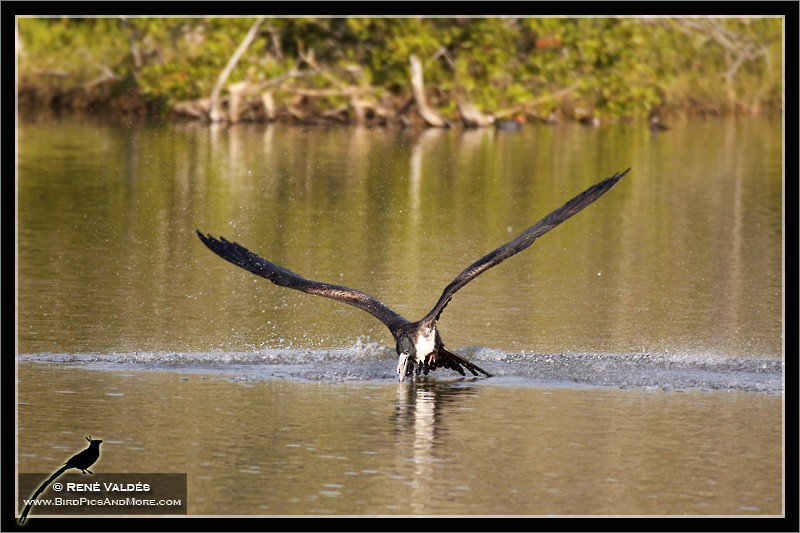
(43, 486)
(447, 359)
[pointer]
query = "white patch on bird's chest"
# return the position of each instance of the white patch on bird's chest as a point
(425, 343)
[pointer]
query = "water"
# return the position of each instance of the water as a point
(637, 349)
(446, 446)
(370, 362)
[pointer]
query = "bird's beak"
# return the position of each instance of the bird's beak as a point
(402, 364)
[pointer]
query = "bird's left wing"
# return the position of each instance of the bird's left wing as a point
(242, 257)
(524, 240)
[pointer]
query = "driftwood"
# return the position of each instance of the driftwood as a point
(194, 108)
(268, 102)
(238, 91)
(430, 116)
(246, 97)
(471, 117)
(106, 75)
(296, 113)
(258, 100)
(215, 113)
(359, 106)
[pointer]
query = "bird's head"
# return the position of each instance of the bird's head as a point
(406, 351)
(93, 441)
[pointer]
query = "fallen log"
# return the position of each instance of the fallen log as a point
(193, 108)
(471, 117)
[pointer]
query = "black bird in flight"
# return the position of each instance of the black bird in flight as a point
(419, 345)
(81, 460)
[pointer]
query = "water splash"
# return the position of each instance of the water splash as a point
(371, 361)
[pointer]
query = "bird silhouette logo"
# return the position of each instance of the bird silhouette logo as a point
(81, 460)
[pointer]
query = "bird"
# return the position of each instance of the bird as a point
(656, 126)
(81, 460)
(418, 344)
(510, 124)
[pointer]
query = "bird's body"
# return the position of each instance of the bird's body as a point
(426, 343)
(419, 345)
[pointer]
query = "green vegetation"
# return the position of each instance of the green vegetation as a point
(358, 68)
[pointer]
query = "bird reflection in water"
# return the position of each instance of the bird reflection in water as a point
(420, 416)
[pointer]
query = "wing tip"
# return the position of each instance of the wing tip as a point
(619, 175)
(206, 237)
(607, 183)
(210, 241)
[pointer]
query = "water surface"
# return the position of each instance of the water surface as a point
(683, 255)
(435, 447)
(637, 349)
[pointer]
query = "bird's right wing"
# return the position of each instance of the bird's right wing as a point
(524, 240)
(242, 257)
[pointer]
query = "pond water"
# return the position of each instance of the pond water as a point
(637, 350)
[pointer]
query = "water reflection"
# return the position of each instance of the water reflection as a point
(421, 406)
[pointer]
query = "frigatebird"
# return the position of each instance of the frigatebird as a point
(419, 345)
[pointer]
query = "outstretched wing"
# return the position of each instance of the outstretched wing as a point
(241, 256)
(524, 240)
